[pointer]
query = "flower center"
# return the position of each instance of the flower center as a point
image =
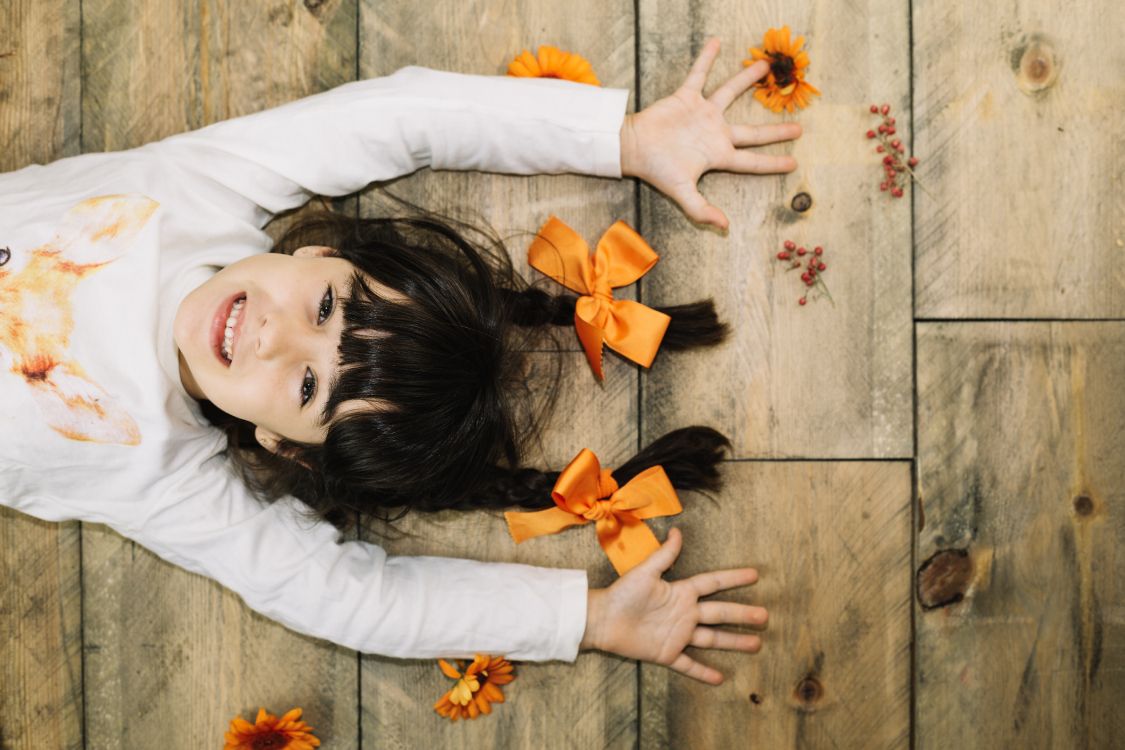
(271, 741)
(782, 67)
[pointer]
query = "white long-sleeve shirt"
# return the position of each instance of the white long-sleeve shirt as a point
(98, 250)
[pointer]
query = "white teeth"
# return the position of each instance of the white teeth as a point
(228, 334)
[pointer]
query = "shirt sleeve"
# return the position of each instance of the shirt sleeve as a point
(338, 142)
(294, 570)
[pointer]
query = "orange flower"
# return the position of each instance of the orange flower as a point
(784, 87)
(552, 62)
(477, 687)
(271, 733)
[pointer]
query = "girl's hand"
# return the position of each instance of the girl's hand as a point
(642, 616)
(674, 142)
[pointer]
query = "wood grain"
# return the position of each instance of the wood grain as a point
(821, 380)
(172, 657)
(829, 541)
(1021, 474)
(41, 601)
(1019, 131)
(543, 705)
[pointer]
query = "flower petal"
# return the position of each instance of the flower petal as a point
(448, 670)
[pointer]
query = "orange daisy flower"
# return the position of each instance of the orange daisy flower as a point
(552, 62)
(784, 87)
(271, 733)
(478, 686)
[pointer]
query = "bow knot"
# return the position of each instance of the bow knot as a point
(586, 493)
(620, 258)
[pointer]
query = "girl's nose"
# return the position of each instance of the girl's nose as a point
(273, 339)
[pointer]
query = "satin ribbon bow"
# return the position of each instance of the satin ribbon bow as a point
(621, 257)
(586, 492)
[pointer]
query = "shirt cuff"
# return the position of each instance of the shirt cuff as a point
(573, 592)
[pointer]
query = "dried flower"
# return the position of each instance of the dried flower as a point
(271, 733)
(478, 686)
(811, 275)
(784, 87)
(552, 62)
(894, 165)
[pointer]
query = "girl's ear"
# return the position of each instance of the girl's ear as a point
(314, 251)
(271, 441)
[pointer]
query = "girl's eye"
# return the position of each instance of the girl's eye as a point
(308, 387)
(326, 304)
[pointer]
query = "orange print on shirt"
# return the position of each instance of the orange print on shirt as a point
(36, 316)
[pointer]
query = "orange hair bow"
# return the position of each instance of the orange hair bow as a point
(621, 257)
(586, 492)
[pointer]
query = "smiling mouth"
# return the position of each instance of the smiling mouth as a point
(226, 329)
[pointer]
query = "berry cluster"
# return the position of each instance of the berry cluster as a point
(893, 150)
(793, 256)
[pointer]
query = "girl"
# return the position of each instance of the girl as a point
(115, 326)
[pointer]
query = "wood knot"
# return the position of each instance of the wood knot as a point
(801, 202)
(1083, 505)
(944, 578)
(1033, 61)
(755, 699)
(5, 255)
(808, 691)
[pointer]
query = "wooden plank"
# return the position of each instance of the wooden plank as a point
(482, 37)
(831, 542)
(1019, 131)
(164, 647)
(40, 605)
(820, 380)
(591, 703)
(1021, 623)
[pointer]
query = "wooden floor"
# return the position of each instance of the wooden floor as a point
(929, 474)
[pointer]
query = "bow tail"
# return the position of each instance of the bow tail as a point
(627, 543)
(591, 337)
(635, 331)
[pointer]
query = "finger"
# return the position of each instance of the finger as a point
(760, 135)
(699, 210)
(701, 68)
(737, 84)
(665, 557)
(748, 161)
(686, 665)
(715, 613)
(705, 584)
(721, 639)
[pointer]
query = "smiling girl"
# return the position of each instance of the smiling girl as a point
(368, 368)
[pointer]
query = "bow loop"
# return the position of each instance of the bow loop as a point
(586, 493)
(621, 258)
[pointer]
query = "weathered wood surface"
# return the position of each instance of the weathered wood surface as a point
(819, 380)
(1018, 125)
(592, 703)
(171, 656)
(40, 603)
(830, 541)
(1021, 628)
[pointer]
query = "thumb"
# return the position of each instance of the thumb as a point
(699, 210)
(663, 559)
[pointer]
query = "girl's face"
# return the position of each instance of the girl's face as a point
(260, 340)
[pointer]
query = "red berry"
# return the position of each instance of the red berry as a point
(783, 255)
(900, 148)
(789, 244)
(891, 130)
(888, 160)
(821, 266)
(801, 251)
(883, 186)
(805, 277)
(890, 121)
(895, 143)
(810, 282)
(897, 192)
(879, 149)
(818, 250)
(912, 161)
(882, 128)
(870, 133)
(802, 301)
(885, 108)
(874, 108)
